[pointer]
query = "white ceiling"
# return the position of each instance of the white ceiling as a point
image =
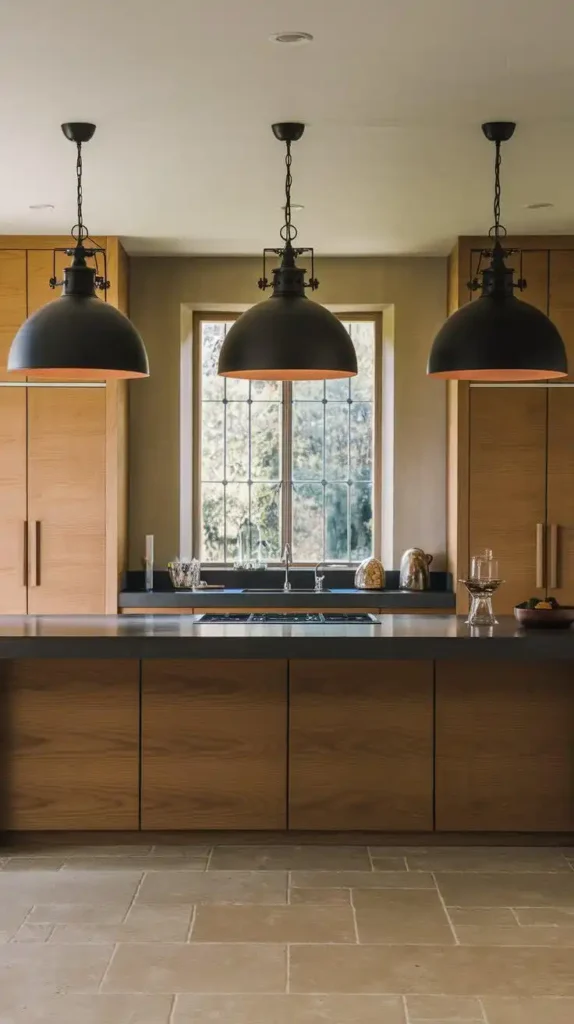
(183, 93)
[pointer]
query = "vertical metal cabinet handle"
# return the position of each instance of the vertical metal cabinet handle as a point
(34, 553)
(26, 568)
(553, 557)
(539, 555)
(38, 552)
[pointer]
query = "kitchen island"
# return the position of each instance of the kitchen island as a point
(410, 724)
(402, 637)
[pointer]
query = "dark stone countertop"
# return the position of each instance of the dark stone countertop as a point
(337, 598)
(399, 637)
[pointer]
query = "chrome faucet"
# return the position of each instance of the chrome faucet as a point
(287, 562)
(319, 580)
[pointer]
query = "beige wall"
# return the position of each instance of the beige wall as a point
(416, 287)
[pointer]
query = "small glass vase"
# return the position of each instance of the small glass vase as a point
(482, 582)
(481, 611)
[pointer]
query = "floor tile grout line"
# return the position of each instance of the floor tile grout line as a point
(288, 969)
(405, 1009)
(109, 964)
(209, 858)
(355, 922)
(27, 918)
(370, 856)
(289, 887)
(482, 1009)
(172, 1010)
(444, 907)
(191, 923)
(134, 897)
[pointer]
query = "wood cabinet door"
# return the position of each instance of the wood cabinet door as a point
(40, 270)
(504, 747)
(561, 305)
(72, 744)
(533, 266)
(507, 486)
(560, 514)
(361, 745)
(13, 310)
(13, 589)
(214, 744)
(67, 500)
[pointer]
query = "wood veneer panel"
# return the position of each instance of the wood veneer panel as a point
(12, 303)
(13, 514)
(504, 755)
(561, 300)
(508, 484)
(560, 513)
(67, 497)
(71, 745)
(214, 744)
(361, 745)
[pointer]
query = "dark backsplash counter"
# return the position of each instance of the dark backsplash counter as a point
(230, 599)
(340, 592)
(396, 637)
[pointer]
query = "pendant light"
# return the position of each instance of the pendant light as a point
(498, 337)
(288, 337)
(79, 336)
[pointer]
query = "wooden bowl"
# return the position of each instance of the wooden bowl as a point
(544, 618)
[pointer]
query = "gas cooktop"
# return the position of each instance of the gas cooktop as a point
(279, 618)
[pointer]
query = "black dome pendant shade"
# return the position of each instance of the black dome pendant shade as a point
(78, 335)
(288, 336)
(498, 337)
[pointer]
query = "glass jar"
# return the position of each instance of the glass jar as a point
(482, 582)
(248, 546)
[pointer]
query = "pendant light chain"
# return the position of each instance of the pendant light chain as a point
(497, 227)
(288, 231)
(79, 231)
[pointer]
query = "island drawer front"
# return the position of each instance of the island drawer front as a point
(71, 744)
(361, 745)
(214, 744)
(504, 747)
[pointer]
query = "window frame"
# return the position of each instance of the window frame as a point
(199, 316)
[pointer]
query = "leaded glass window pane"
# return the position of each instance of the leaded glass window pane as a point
(320, 475)
(240, 446)
(333, 429)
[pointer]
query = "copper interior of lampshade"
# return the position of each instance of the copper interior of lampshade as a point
(498, 375)
(289, 374)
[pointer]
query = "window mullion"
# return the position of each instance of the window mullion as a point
(286, 466)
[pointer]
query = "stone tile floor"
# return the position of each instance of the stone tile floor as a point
(190, 934)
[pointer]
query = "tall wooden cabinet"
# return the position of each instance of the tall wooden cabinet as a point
(511, 448)
(63, 467)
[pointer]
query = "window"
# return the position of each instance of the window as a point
(298, 459)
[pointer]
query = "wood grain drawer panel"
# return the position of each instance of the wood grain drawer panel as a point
(361, 743)
(72, 744)
(214, 744)
(504, 747)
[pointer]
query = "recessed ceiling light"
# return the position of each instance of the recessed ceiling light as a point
(291, 38)
(41, 206)
(539, 206)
